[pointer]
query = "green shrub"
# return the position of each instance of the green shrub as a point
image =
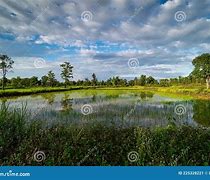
(66, 144)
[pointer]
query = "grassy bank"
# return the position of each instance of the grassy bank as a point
(199, 92)
(82, 145)
(195, 91)
(30, 91)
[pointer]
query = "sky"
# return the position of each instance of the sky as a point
(123, 38)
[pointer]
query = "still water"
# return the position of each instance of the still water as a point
(113, 107)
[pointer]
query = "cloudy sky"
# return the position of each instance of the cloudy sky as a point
(123, 38)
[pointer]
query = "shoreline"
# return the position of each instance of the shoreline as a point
(32, 91)
(187, 92)
(181, 91)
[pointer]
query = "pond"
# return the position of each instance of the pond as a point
(123, 108)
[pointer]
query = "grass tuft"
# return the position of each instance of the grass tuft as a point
(74, 145)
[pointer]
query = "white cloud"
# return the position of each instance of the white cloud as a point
(152, 35)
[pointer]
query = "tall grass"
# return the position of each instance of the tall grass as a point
(97, 144)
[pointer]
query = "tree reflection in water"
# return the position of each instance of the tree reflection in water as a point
(50, 97)
(66, 103)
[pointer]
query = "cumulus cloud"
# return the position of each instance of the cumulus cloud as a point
(117, 31)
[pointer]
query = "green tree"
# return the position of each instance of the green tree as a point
(5, 65)
(164, 82)
(115, 81)
(150, 80)
(136, 81)
(51, 78)
(16, 82)
(202, 68)
(44, 80)
(87, 82)
(94, 80)
(25, 82)
(34, 81)
(67, 72)
(142, 80)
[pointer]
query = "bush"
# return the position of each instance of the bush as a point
(66, 144)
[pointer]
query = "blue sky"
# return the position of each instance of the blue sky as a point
(101, 36)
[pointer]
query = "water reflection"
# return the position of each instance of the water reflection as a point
(201, 110)
(50, 97)
(66, 103)
(122, 108)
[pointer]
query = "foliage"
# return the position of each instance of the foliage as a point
(202, 66)
(66, 144)
(142, 80)
(94, 80)
(51, 79)
(44, 80)
(5, 65)
(66, 73)
(196, 78)
(173, 146)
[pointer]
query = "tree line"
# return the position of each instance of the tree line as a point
(200, 75)
(6, 65)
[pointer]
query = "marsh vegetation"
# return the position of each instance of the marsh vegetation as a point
(120, 122)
